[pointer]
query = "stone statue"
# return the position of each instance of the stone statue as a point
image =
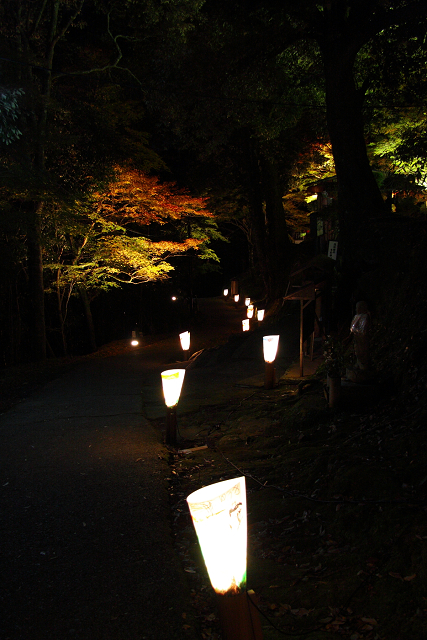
(359, 332)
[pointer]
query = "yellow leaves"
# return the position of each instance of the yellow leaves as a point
(138, 259)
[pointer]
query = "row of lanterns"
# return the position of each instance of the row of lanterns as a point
(250, 311)
(218, 511)
(219, 517)
(172, 379)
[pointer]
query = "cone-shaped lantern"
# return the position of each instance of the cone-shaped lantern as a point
(245, 324)
(185, 342)
(172, 380)
(219, 517)
(270, 345)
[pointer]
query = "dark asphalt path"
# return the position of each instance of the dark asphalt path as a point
(86, 544)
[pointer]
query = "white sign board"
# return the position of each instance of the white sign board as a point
(333, 249)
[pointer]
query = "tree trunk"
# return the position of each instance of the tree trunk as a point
(258, 222)
(36, 288)
(278, 255)
(358, 193)
(89, 318)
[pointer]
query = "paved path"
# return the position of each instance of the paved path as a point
(86, 543)
(87, 548)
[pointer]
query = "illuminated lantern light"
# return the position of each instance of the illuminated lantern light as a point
(245, 324)
(270, 345)
(185, 342)
(174, 298)
(225, 292)
(260, 315)
(247, 302)
(250, 311)
(172, 380)
(236, 298)
(134, 342)
(219, 517)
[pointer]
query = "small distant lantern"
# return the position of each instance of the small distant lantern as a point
(225, 293)
(260, 315)
(173, 298)
(172, 380)
(270, 345)
(245, 324)
(247, 302)
(219, 517)
(250, 311)
(236, 298)
(134, 341)
(185, 343)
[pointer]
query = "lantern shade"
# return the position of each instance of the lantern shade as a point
(185, 340)
(270, 344)
(260, 315)
(226, 292)
(236, 298)
(245, 325)
(247, 301)
(250, 311)
(219, 517)
(172, 384)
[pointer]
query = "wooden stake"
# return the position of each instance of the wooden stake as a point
(269, 379)
(171, 425)
(239, 617)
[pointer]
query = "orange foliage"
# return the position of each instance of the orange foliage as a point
(138, 197)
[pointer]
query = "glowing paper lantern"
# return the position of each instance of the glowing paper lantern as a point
(236, 298)
(245, 325)
(134, 342)
(250, 311)
(174, 298)
(172, 384)
(185, 340)
(226, 292)
(219, 517)
(247, 301)
(260, 315)
(270, 345)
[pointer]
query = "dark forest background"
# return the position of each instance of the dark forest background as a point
(153, 148)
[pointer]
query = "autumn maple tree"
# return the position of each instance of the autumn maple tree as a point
(125, 233)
